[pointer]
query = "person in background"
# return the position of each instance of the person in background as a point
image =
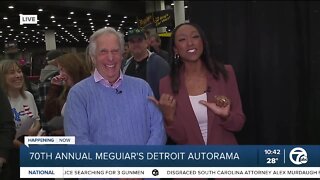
(24, 110)
(50, 70)
(110, 108)
(7, 131)
(200, 100)
(143, 63)
(72, 69)
(126, 53)
(51, 67)
(155, 46)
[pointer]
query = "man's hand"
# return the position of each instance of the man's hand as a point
(167, 105)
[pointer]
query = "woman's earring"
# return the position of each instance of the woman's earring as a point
(176, 58)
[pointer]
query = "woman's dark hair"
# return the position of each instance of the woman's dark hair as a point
(75, 65)
(213, 66)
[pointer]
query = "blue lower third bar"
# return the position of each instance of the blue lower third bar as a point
(169, 156)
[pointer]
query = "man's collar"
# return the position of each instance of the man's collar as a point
(99, 78)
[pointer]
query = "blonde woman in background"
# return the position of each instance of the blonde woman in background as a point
(24, 109)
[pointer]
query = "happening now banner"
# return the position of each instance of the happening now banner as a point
(231, 161)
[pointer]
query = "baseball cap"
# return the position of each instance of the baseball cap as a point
(136, 33)
(53, 54)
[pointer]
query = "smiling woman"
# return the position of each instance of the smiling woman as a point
(24, 108)
(199, 99)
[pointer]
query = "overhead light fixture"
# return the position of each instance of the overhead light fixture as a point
(74, 22)
(52, 17)
(122, 21)
(71, 12)
(40, 10)
(5, 18)
(88, 14)
(185, 6)
(90, 19)
(10, 7)
(109, 15)
(69, 17)
(106, 20)
(8, 26)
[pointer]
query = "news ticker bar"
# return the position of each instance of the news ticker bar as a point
(169, 156)
(170, 172)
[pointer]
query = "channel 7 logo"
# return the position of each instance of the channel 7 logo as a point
(298, 156)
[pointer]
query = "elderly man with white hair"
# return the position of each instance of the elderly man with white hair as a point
(110, 108)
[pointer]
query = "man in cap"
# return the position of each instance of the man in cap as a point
(143, 63)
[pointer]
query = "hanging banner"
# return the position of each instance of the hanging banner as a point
(157, 19)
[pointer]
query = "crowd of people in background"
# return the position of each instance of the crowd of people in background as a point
(122, 93)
